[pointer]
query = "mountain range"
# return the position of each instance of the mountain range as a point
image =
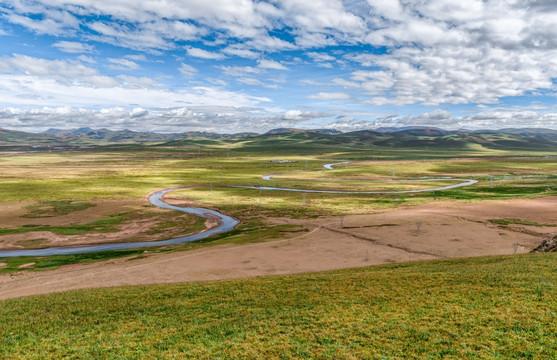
(389, 136)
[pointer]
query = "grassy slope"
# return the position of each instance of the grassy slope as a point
(496, 308)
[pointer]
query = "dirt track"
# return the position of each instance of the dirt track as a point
(447, 230)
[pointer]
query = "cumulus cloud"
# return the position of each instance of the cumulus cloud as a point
(386, 52)
(483, 120)
(298, 115)
(455, 53)
(231, 119)
(147, 24)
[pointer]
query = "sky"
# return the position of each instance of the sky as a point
(231, 66)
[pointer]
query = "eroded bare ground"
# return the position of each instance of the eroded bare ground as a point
(446, 230)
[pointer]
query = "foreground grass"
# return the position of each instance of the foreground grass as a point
(481, 308)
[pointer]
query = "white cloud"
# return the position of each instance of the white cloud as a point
(330, 96)
(140, 38)
(480, 121)
(427, 52)
(237, 119)
(238, 70)
(323, 17)
(241, 52)
(136, 57)
(122, 64)
(454, 75)
(298, 115)
(220, 119)
(270, 64)
(29, 81)
(320, 57)
(86, 59)
(55, 22)
(73, 47)
(204, 54)
(187, 70)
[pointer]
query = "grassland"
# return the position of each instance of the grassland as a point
(481, 308)
(54, 184)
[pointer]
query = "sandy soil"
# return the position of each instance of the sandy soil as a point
(447, 230)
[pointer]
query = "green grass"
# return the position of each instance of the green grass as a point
(55, 208)
(480, 308)
(514, 221)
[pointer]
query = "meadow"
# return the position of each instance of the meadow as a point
(54, 185)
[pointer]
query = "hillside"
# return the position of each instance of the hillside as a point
(480, 308)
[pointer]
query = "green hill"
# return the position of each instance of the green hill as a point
(480, 308)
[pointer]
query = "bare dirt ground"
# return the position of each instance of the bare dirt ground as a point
(447, 230)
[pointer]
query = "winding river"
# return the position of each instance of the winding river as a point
(226, 223)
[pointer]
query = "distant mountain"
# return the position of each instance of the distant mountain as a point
(288, 138)
(327, 131)
(291, 130)
(547, 134)
(117, 136)
(393, 129)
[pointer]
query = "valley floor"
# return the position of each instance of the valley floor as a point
(446, 230)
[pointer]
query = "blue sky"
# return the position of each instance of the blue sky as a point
(243, 65)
